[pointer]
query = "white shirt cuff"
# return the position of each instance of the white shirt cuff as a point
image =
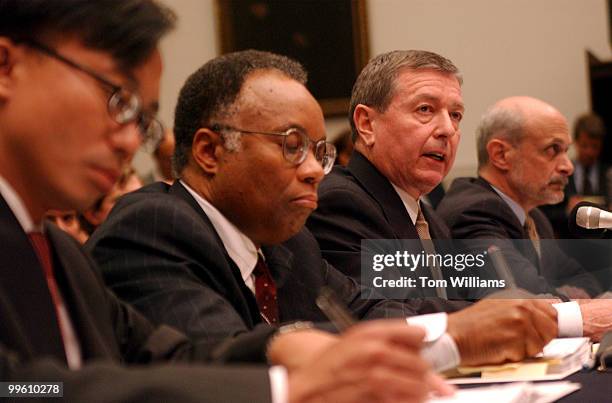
(279, 384)
(569, 319)
(440, 350)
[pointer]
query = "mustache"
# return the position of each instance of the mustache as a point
(558, 180)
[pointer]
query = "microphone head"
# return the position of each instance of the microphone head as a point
(588, 217)
(583, 222)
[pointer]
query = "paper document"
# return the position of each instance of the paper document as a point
(560, 358)
(520, 392)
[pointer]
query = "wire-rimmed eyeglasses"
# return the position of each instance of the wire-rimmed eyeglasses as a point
(124, 106)
(296, 145)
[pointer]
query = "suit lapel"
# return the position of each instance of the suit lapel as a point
(381, 190)
(179, 191)
(527, 248)
(25, 288)
(87, 321)
(280, 260)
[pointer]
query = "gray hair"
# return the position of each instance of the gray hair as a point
(375, 85)
(498, 123)
(211, 91)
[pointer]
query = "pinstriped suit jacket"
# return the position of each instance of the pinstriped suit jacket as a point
(159, 251)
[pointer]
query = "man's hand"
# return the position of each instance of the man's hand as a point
(596, 317)
(376, 361)
(497, 330)
(295, 349)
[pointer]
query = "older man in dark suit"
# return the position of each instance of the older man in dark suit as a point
(79, 83)
(406, 108)
(523, 164)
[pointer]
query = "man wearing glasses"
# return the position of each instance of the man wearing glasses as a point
(223, 250)
(79, 81)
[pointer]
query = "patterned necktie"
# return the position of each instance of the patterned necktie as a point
(532, 231)
(422, 228)
(71, 345)
(265, 291)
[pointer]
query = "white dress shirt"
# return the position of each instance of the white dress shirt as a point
(244, 253)
(239, 247)
(440, 349)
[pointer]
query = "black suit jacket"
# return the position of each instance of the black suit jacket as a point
(358, 202)
(109, 333)
(159, 251)
(473, 209)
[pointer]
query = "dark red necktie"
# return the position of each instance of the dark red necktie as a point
(41, 246)
(265, 292)
(71, 344)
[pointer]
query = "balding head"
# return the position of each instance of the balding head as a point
(509, 119)
(522, 151)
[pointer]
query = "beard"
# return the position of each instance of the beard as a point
(537, 193)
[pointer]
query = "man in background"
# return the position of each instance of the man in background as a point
(91, 218)
(162, 156)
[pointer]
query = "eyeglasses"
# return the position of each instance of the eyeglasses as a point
(296, 145)
(124, 106)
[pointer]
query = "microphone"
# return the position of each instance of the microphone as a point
(591, 217)
(588, 220)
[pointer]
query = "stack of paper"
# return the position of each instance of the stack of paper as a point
(560, 358)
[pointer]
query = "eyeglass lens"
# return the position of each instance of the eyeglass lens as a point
(295, 149)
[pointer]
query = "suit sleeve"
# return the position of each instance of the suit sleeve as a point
(153, 355)
(109, 382)
(141, 342)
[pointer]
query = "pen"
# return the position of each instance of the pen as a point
(335, 310)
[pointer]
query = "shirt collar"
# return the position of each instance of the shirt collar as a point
(239, 247)
(16, 205)
(411, 205)
(516, 208)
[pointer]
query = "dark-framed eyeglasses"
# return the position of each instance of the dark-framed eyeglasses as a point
(296, 145)
(124, 105)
